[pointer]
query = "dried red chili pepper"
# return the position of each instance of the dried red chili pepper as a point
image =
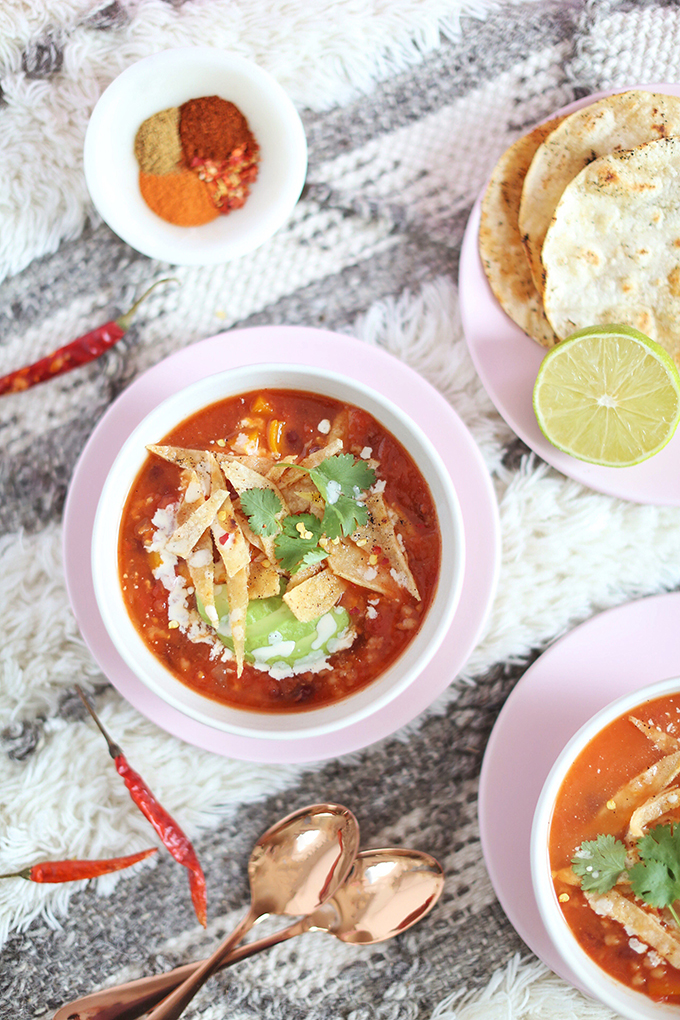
(167, 828)
(73, 871)
(79, 352)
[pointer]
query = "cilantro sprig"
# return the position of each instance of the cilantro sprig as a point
(342, 482)
(655, 876)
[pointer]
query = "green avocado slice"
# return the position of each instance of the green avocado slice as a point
(274, 634)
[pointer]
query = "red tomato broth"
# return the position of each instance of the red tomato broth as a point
(617, 754)
(290, 418)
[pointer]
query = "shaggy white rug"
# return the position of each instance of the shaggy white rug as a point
(393, 95)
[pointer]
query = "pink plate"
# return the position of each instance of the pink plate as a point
(611, 654)
(507, 361)
(330, 351)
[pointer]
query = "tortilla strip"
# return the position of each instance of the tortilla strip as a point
(642, 786)
(661, 739)
(293, 478)
(202, 573)
(264, 580)
(226, 531)
(237, 597)
(242, 478)
(655, 807)
(379, 532)
(180, 455)
(354, 564)
(188, 534)
(644, 926)
(315, 596)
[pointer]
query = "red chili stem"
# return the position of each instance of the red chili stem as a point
(172, 836)
(79, 352)
(74, 871)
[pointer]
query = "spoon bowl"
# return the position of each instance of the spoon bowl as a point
(386, 892)
(294, 867)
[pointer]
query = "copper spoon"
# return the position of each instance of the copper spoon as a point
(294, 867)
(387, 891)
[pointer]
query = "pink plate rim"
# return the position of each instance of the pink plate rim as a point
(389, 376)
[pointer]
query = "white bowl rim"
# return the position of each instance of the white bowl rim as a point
(227, 237)
(631, 1004)
(313, 722)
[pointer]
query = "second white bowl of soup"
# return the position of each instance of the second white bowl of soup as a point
(278, 551)
(605, 854)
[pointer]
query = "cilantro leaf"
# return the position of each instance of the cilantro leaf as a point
(261, 507)
(344, 473)
(341, 480)
(599, 862)
(299, 536)
(655, 878)
(343, 517)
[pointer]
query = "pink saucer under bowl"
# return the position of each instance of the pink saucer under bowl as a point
(328, 352)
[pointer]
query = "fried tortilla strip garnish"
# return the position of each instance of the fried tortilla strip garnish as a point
(180, 455)
(294, 479)
(264, 580)
(315, 596)
(202, 574)
(641, 787)
(226, 531)
(647, 927)
(354, 564)
(187, 534)
(664, 741)
(242, 478)
(651, 810)
(237, 597)
(379, 531)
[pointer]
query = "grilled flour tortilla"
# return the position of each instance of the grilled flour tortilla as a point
(500, 242)
(612, 252)
(619, 122)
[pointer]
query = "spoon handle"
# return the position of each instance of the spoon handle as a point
(134, 999)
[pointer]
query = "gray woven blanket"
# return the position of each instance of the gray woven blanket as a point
(406, 106)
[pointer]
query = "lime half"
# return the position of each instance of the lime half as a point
(608, 395)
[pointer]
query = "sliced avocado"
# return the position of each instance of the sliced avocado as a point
(273, 634)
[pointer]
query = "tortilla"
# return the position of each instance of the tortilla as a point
(500, 243)
(612, 253)
(622, 121)
(315, 596)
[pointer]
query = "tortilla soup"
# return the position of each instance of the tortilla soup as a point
(615, 848)
(278, 550)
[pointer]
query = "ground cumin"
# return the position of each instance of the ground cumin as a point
(211, 128)
(157, 144)
(181, 198)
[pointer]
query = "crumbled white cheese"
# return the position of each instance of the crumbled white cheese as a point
(324, 426)
(200, 558)
(366, 452)
(333, 491)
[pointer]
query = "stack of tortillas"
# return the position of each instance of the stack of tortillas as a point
(581, 221)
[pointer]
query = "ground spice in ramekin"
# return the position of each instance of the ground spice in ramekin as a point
(181, 198)
(196, 161)
(157, 143)
(211, 128)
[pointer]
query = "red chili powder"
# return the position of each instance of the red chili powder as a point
(211, 128)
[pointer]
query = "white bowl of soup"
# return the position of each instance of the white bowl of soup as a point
(605, 854)
(278, 551)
